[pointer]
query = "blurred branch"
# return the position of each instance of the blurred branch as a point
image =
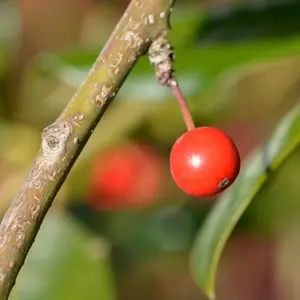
(62, 141)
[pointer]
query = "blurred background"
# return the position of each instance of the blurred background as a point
(119, 227)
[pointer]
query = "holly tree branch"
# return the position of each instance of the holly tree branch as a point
(143, 22)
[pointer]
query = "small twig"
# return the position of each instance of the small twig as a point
(161, 56)
(62, 142)
(186, 114)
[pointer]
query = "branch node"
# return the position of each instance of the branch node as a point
(54, 138)
(161, 56)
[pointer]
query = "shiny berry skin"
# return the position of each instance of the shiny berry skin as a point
(204, 161)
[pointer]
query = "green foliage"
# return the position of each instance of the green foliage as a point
(231, 205)
(204, 64)
(200, 71)
(62, 263)
(66, 262)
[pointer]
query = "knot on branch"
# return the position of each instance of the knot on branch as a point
(161, 56)
(54, 138)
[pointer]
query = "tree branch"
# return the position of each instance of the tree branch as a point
(62, 142)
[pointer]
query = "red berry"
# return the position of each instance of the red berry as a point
(204, 161)
(129, 175)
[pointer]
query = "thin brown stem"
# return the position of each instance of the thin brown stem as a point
(185, 111)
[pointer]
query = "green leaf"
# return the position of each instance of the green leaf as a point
(224, 216)
(65, 262)
(196, 68)
(185, 22)
(241, 22)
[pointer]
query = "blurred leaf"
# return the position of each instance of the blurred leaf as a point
(16, 136)
(231, 205)
(14, 163)
(201, 73)
(249, 21)
(3, 62)
(171, 228)
(65, 263)
(9, 21)
(198, 67)
(185, 21)
(257, 90)
(208, 77)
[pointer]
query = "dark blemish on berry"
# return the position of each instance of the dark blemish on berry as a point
(224, 182)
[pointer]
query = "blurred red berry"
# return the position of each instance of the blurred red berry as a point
(204, 161)
(129, 175)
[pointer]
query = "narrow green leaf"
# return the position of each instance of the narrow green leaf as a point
(232, 204)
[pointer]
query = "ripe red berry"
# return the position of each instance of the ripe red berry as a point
(128, 175)
(204, 161)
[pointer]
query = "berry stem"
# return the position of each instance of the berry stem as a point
(185, 111)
